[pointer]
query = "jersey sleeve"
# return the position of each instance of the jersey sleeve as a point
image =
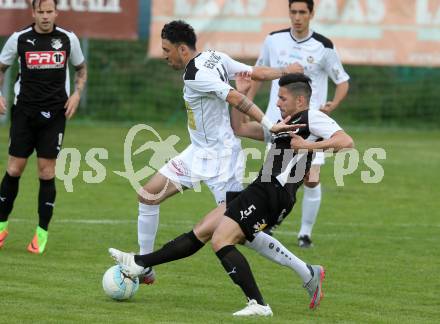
(209, 83)
(322, 125)
(233, 67)
(333, 67)
(263, 58)
(9, 51)
(267, 135)
(76, 54)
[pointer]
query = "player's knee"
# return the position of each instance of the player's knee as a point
(145, 200)
(151, 195)
(15, 170)
(46, 173)
(217, 242)
(146, 197)
(202, 233)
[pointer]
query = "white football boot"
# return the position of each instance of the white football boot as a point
(253, 308)
(126, 261)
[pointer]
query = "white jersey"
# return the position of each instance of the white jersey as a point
(319, 127)
(315, 53)
(206, 80)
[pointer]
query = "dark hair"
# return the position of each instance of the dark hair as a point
(179, 31)
(297, 83)
(309, 3)
(34, 2)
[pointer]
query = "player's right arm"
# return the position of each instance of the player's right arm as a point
(7, 57)
(3, 107)
(255, 129)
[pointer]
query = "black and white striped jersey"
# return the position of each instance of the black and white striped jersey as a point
(43, 79)
(287, 166)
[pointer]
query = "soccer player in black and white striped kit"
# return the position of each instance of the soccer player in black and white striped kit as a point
(315, 56)
(41, 106)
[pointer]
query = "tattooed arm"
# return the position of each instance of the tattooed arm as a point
(80, 81)
(253, 130)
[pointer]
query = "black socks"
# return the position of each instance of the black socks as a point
(8, 193)
(46, 202)
(46, 199)
(238, 269)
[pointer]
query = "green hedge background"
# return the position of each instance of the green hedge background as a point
(125, 85)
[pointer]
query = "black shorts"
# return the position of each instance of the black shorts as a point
(259, 206)
(39, 130)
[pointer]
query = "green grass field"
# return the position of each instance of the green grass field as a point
(378, 242)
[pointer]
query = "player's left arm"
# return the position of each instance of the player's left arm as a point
(322, 126)
(80, 81)
(265, 73)
(335, 70)
(260, 72)
(338, 141)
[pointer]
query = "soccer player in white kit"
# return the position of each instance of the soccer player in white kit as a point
(214, 153)
(316, 57)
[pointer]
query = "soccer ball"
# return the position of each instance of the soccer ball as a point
(118, 285)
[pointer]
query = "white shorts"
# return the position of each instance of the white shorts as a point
(220, 174)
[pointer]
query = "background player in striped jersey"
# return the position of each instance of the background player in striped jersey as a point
(316, 57)
(42, 103)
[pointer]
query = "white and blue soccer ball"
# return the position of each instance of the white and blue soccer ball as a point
(118, 285)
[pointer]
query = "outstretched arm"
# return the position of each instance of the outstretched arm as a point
(265, 73)
(80, 81)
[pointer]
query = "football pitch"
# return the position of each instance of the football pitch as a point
(378, 242)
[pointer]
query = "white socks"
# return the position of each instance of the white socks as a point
(310, 209)
(148, 221)
(273, 250)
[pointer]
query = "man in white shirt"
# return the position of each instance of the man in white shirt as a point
(315, 56)
(213, 157)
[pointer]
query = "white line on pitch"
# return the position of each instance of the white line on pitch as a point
(97, 221)
(132, 221)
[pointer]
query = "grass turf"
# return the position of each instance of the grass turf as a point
(378, 242)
